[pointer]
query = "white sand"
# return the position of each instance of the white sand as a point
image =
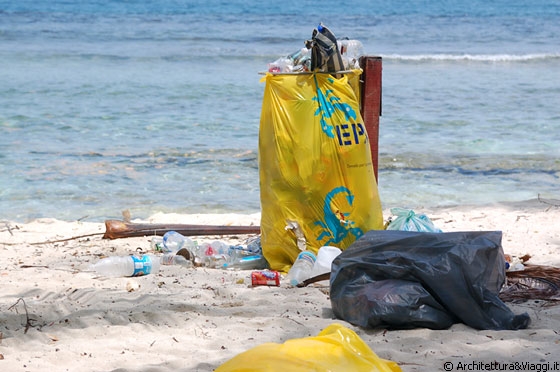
(184, 319)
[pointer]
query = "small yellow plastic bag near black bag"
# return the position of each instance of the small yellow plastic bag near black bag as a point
(335, 349)
(316, 176)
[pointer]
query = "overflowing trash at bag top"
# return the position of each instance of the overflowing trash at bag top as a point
(322, 50)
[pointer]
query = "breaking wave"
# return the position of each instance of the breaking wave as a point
(474, 57)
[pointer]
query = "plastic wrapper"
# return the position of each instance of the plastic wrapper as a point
(404, 279)
(335, 349)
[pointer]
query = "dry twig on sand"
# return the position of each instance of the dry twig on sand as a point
(28, 320)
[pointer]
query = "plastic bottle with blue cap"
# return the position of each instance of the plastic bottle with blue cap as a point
(302, 268)
(119, 266)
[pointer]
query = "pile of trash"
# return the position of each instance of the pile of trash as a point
(175, 249)
(215, 254)
(349, 50)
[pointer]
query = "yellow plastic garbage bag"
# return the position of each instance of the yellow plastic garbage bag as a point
(317, 183)
(335, 349)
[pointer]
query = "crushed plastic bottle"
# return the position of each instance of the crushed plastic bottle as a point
(254, 245)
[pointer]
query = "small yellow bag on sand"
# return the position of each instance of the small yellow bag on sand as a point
(335, 349)
(316, 176)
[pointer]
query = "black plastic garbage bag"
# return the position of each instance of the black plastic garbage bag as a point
(404, 279)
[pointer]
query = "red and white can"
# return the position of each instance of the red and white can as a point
(265, 277)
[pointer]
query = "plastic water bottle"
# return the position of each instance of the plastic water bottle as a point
(173, 241)
(253, 262)
(351, 51)
(302, 268)
(119, 266)
(213, 255)
(245, 257)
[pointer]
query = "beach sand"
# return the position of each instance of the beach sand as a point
(195, 319)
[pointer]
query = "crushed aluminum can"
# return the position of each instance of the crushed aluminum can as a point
(265, 277)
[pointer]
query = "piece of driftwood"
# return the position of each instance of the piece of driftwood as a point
(315, 279)
(115, 229)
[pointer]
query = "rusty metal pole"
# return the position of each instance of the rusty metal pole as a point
(370, 104)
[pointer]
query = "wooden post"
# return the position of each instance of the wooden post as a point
(370, 105)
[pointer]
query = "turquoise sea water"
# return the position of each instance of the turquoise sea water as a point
(155, 106)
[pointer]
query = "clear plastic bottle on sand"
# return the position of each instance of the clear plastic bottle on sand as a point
(212, 255)
(119, 266)
(173, 241)
(302, 268)
(253, 262)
